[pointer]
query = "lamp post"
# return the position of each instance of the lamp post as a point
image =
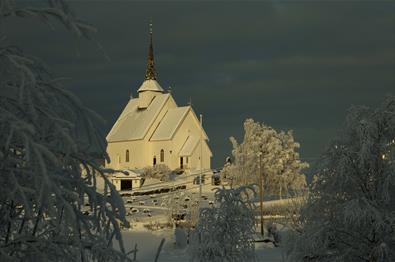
(261, 189)
(201, 158)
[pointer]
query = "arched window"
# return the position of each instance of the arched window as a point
(162, 155)
(127, 156)
(154, 161)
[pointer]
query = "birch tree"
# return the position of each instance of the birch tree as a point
(279, 160)
(48, 139)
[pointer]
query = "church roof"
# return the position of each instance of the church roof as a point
(189, 146)
(127, 173)
(150, 85)
(170, 122)
(134, 123)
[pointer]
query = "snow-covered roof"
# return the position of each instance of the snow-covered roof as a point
(170, 122)
(150, 85)
(134, 123)
(127, 173)
(189, 146)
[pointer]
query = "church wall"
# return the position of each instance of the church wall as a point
(138, 154)
(190, 127)
(169, 154)
(154, 147)
(141, 154)
(195, 158)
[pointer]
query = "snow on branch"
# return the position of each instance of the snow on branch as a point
(225, 232)
(50, 208)
(272, 154)
(350, 212)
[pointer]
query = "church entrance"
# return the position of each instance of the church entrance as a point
(126, 184)
(181, 162)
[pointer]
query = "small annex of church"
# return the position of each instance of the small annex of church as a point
(153, 130)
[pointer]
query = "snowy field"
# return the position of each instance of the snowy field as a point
(148, 243)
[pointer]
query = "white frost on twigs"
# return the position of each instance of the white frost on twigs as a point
(50, 209)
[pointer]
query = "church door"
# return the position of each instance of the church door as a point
(181, 162)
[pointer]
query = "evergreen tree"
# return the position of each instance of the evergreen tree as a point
(350, 213)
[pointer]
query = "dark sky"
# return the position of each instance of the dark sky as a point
(291, 64)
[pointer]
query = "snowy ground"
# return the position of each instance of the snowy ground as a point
(148, 242)
(154, 209)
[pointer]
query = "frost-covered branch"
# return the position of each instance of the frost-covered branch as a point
(225, 232)
(279, 162)
(50, 208)
(350, 213)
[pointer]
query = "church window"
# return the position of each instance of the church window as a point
(127, 156)
(162, 155)
(154, 161)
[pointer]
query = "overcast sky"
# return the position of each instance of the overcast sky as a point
(291, 64)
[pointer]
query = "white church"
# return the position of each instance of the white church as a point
(152, 129)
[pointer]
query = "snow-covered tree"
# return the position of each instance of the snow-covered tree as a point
(350, 213)
(225, 232)
(48, 140)
(279, 160)
(160, 171)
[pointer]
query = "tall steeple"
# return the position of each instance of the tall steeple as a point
(150, 87)
(150, 73)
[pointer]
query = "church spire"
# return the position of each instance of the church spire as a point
(150, 73)
(150, 86)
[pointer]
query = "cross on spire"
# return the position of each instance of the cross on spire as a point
(150, 72)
